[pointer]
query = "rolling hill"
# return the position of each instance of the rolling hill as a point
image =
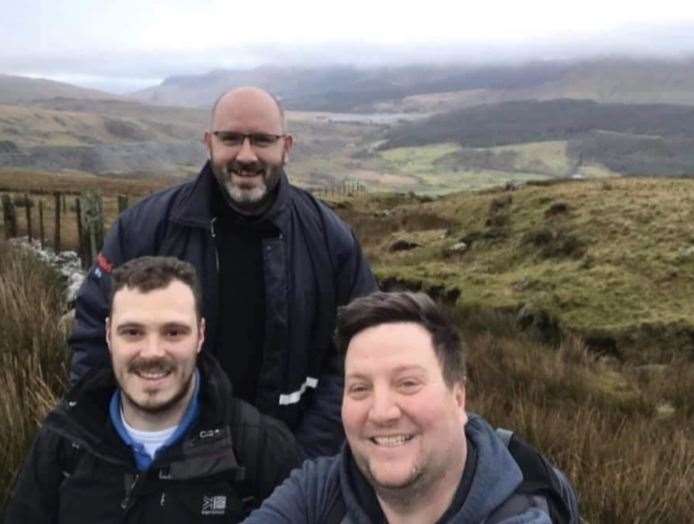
(19, 89)
(439, 88)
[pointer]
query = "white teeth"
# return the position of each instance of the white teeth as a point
(392, 441)
(152, 375)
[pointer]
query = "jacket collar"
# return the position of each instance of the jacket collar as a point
(195, 205)
(83, 414)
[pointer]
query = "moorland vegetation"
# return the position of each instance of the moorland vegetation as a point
(575, 302)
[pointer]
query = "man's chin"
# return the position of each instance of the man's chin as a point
(247, 199)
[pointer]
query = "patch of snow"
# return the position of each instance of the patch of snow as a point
(67, 263)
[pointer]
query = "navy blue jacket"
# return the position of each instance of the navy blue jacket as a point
(314, 265)
(309, 494)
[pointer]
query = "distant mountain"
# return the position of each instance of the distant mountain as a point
(19, 89)
(440, 88)
(344, 88)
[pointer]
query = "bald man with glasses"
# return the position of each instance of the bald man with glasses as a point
(274, 262)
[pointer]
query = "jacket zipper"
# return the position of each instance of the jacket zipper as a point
(129, 488)
(213, 234)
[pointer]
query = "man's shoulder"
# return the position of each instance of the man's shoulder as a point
(320, 478)
(158, 204)
(310, 207)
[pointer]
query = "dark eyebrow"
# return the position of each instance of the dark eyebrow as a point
(177, 325)
(128, 325)
(398, 369)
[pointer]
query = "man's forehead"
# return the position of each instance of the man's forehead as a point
(391, 345)
(176, 296)
(247, 105)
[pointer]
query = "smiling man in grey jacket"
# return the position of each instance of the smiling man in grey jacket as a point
(413, 453)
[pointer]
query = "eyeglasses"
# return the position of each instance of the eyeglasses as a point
(234, 139)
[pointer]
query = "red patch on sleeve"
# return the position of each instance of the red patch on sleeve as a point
(104, 263)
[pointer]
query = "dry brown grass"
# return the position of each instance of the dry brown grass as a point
(33, 354)
(599, 421)
(18, 180)
(41, 186)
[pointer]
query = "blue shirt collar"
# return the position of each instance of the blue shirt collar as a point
(142, 458)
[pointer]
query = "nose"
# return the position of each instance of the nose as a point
(152, 347)
(384, 407)
(246, 154)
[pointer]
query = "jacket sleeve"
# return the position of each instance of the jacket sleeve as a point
(36, 493)
(303, 498)
(279, 455)
(264, 446)
(320, 431)
(88, 341)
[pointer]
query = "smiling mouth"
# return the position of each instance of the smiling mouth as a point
(247, 173)
(153, 375)
(391, 441)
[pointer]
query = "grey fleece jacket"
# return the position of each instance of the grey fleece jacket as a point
(310, 492)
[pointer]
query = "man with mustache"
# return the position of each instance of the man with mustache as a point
(158, 436)
(274, 264)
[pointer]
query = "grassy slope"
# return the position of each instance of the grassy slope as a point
(437, 169)
(16, 89)
(617, 266)
(34, 126)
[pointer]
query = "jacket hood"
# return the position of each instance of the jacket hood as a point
(194, 206)
(496, 474)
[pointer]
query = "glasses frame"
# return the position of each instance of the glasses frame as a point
(251, 137)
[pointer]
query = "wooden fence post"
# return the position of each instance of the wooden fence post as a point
(27, 208)
(42, 231)
(92, 225)
(122, 203)
(80, 236)
(9, 214)
(56, 223)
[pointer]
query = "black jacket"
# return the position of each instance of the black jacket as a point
(314, 265)
(79, 470)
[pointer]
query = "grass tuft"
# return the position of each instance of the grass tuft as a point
(33, 354)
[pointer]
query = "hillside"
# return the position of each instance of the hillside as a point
(653, 139)
(100, 136)
(19, 89)
(440, 88)
(611, 261)
(343, 88)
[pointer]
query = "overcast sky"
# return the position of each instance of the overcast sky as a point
(123, 45)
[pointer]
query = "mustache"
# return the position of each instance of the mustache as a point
(255, 167)
(149, 365)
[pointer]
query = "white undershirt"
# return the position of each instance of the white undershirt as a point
(150, 440)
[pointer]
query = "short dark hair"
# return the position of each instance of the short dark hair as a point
(386, 308)
(150, 273)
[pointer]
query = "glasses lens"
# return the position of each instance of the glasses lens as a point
(234, 139)
(229, 138)
(263, 139)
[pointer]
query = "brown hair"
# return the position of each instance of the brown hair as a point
(383, 308)
(150, 273)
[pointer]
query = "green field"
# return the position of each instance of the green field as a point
(611, 261)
